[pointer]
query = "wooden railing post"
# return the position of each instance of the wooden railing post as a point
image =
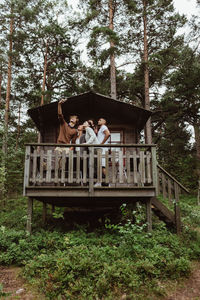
(169, 191)
(159, 186)
(177, 209)
(164, 186)
(26, 168)
(154, 169)
(91, 171)
(134, 167)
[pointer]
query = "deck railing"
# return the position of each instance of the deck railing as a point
(126, 165)
(168, 186)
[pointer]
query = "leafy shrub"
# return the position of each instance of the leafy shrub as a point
(106, 263)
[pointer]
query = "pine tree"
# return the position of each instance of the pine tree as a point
(184, 88)
(102, 20)
(54, 73)
(152, 41)
(17, 17)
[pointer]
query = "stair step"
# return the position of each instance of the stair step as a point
(163, 212)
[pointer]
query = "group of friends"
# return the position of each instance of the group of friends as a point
(87, 133)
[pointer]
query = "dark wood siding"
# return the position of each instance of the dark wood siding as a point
(50, 133)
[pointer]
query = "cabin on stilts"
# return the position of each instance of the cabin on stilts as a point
(66, 179)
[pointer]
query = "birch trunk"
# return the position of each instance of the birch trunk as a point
(148, 133)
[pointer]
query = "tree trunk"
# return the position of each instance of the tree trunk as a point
(44, 74)
(0, 89)
(43, 85)
(7, 107)
(113, 89)
(18, 126)
(148, 133)
(197, 142)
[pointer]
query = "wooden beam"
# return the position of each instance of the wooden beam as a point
(76, 191)
(26, 169)
(154, 169)
(169, 191)
(164, 186)
(177, 210)
(163, 210)
(91, 172)
(44, 213)
(29, 215)
(148, 215)
(92, 145)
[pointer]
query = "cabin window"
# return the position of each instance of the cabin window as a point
(116, 137)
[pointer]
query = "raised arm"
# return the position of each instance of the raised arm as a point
(60, 114)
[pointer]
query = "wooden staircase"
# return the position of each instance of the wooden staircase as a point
(162, 212)
(170, 189)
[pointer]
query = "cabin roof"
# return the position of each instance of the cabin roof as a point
(91, 105)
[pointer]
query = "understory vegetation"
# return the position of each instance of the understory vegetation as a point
(98, 261)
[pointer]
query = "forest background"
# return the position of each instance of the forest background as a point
(41, 62)
(138, 51)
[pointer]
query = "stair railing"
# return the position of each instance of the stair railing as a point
(169, 187)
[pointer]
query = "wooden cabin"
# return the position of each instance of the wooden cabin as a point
(68, 179)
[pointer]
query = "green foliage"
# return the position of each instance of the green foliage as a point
(106, 263)
(190, 211)
(58, 213)
(88, 267)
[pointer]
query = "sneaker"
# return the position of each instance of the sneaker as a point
(97, 184)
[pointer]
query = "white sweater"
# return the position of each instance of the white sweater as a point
(90, 136)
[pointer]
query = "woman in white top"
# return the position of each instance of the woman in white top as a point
(91, 138)
(90, 135)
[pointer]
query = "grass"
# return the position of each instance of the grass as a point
(99, 262)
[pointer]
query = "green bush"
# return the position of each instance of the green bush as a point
(106, 263)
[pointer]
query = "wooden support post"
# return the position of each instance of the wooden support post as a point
(148, 215)
(26, 169)
(159, 187)
(44, 213)
(164, 186)
(169, 191)
(29, 215)
(177, 209)
(91, 172)
(154, 169)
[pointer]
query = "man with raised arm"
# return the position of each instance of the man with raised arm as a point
(68, 132)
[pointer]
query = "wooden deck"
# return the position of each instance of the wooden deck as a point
(130, 171)
(68, 178)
